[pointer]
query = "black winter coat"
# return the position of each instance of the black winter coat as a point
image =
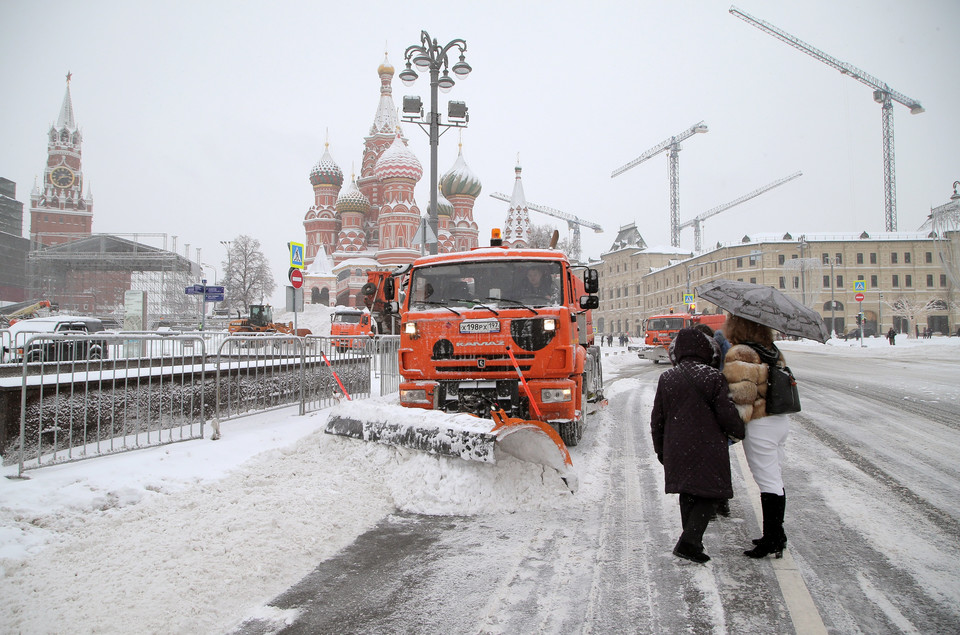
(690, 429)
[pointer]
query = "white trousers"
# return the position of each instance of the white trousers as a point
(764, 448)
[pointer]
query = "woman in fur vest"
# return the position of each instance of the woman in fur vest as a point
(746, 366)
(691, 420)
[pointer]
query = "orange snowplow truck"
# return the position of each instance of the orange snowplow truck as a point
(504, 335)
(501, 329)
(659, 331)
(351, 327)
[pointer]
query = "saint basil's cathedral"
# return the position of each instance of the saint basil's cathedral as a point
(371, 222)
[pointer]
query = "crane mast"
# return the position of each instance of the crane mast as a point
(697, 220)
(573, 222)
(882, 94)
(673, 145)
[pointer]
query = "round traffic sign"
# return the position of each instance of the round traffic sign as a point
(859, 297)
(296, 278)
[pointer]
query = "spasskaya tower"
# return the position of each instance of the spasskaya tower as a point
(59, 211)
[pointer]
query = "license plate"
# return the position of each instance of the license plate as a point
(480, 326)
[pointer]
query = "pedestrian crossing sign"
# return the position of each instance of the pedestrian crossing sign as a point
(859, 285)
(296, 255)
(688, 298)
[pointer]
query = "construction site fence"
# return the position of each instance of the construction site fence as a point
(91, 395)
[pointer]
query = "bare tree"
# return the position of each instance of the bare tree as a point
(915, 311)
(541, 235)
(247, 278)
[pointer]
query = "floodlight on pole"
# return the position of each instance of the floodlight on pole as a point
(429, 56)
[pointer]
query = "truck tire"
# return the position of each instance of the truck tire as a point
(571, 432)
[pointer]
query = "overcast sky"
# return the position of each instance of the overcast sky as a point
(203, 119)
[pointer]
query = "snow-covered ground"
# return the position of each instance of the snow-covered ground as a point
(192, 537)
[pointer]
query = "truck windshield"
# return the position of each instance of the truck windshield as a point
(346, 318)
(665, 324)
(498, 283)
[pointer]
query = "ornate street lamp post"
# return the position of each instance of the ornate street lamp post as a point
(429, 56)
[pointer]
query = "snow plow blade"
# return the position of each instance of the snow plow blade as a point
(460, 436)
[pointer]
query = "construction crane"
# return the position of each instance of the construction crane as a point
(882, 94)
(573, 222)
(696, 221)
(673, 144)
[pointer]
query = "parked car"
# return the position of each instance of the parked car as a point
(55, 350)
(852, 334)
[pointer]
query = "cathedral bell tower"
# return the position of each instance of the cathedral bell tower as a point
(59, 212)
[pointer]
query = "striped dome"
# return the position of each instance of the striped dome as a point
(444, 207)
(460, 180)
(352, 200)
(326, 171)
(398, 161)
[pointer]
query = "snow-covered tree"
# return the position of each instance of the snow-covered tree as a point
(915, 311)
(541, 235)
(247, 277)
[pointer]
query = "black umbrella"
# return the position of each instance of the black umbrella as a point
(765, 305)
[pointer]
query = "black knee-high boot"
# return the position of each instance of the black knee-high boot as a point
(774, 539)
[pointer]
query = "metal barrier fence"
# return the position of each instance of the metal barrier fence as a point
(86, 395)
(76, 401)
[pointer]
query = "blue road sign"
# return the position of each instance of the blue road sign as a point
(212, 289)
(190, 291)
(213, 297)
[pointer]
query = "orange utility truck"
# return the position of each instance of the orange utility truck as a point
(659, 331)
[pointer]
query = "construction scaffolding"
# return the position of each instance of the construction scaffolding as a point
(89, 275)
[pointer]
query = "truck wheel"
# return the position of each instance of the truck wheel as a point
(656, 361)
(571, 432)
(368, 289)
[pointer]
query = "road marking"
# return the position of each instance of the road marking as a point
(803, 612)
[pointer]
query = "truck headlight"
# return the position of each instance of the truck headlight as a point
(416, 395)
(549, 324)
(410, 328)
(555, 395)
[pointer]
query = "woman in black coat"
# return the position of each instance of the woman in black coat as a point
(693, 417)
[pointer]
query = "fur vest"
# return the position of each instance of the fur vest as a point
(747, 375)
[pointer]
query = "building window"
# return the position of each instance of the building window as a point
(781, 259)
(796, 282)
(753, 261)
(928, 257)
(896, 281)
(873, 259)
(859, 259)
(873, 282)
(906, 257)
(753, 281)
(783, 281)
(826, 258)
(893, 258)
(739, 262)
(908, 279)
(943, 279)
(929, 279)
(826, 282)
(839, 282)
(839, 259)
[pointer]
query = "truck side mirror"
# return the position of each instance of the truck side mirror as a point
(589, 302)
(591, 281)
(389, 289)
(391, 308)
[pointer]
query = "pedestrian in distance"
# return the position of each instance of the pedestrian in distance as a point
(892, 336)
(746, 369)
(691, 422)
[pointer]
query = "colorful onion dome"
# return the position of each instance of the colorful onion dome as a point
(398, 161)
(460, 180)
(326, 171)
(444, 207)
(352, 200)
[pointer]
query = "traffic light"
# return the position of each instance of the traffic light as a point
(859, 319)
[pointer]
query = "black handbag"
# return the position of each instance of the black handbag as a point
(782, 394)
